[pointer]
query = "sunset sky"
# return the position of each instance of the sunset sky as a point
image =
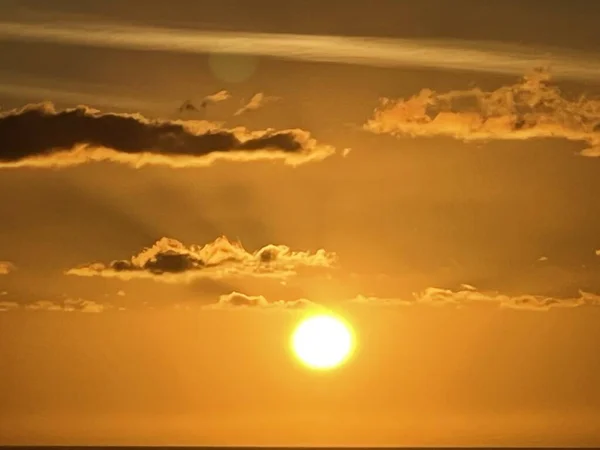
(181, 182)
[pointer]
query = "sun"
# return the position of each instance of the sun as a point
(322, 342)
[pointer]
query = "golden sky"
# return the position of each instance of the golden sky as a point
(182, 182)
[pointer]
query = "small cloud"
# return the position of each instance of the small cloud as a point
(468, 287)
(237, 300)
(8, 306)
(121, 293)
(543, 258)
(217, 97)
(171, 261)
(257, 101)
(6, 267)
(187, 106)
(532, 108)
(379, 301)
(598, 252)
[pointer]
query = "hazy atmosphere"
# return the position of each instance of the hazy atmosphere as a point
(182, 182)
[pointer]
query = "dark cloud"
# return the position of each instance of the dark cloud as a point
(532, 108)
(39, 135)
(171, 261)
(236, 300)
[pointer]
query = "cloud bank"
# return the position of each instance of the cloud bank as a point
(531, 108)
(41, 136)
(370, 51)
(234, 301)
(169, 260)
(469, 296)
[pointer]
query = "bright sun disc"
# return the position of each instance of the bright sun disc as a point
(322, 342)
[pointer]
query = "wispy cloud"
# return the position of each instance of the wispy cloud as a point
(532, 108)
(41, 136)
(257, 101)
(237, 300)
(67, 305)
(217, 97)
(446, 297)
(372, 51)
(169, 260)
(6, 267)
(8, 306)
(37, 89)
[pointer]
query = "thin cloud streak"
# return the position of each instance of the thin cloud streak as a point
(369, 51)
(35, 93)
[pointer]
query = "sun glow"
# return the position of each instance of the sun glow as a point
(322, 342)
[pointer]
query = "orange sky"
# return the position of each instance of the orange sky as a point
(435, 184)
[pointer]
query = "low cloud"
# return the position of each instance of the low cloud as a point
(237, 300)
(67, 305)
(171, 261)
(257, 101)
(41, 136)
(6, 267)
(532, 108)
(446, 297)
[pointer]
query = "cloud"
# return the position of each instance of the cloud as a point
(67, 305)
(532, 108)
(443, 297)
(479, 56)
(40, 136)
(380, 301)
(34, 89)
(8, 306)
(257, 101)
(217, 97)
(237, 300)
(6, 267)
(171, 261)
